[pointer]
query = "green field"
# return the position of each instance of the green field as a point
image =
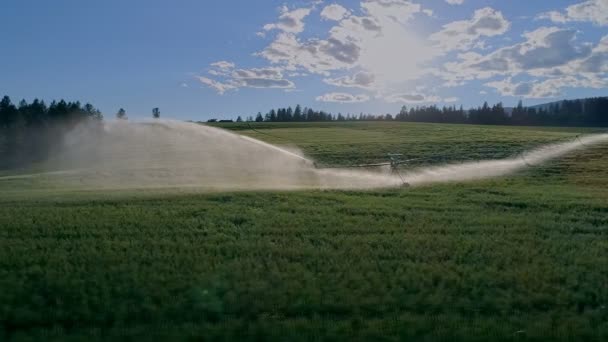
(519, 258)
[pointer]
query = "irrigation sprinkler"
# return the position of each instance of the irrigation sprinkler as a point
(523, 158)
(394, 162)
(578, 137)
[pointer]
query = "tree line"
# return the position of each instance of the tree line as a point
(30, 132)
(581, 112)
(591, 112)
(299, 114)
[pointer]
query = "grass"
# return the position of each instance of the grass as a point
(523, 257)
(351, 143)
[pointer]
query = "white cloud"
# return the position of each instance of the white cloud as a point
(223, 65)
(582, 67)
(400, 11)
(290, 21)
(314, 56)
(374, 47)
(219, 87)
(334, 12)
(261, 78)
(364, 80)
(595, 11)
(544, 51)
(532, 89)
(412, 98)
(221, 68)
(455, 2)
(246, 78)
(268, 73)
(342, 98)
(377, 42)
(464, 34)
(597, 62)
(554, 16)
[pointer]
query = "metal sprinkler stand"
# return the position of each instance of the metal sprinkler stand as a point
(395, 161)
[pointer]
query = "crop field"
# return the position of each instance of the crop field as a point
(517, 258)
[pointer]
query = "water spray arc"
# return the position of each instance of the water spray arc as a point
(187, 155)
(495, 168)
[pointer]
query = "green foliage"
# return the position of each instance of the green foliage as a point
(351, 143)
(590, 112)
(30, 132)
(121, 114)
(519, 258)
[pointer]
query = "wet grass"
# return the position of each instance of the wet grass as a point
(518, 258)
(333, 144)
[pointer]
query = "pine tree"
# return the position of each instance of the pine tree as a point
(297, 113)
(8, 112)
(121, 114)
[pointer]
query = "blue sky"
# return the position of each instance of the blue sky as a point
(202, 59)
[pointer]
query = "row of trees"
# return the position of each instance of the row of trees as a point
(292, 115)
(582, 112)
(30, 131)
(307, 115)
(484, 115)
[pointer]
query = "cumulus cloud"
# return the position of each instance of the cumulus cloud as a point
(233, 79)
(554, 16)
(314, 56)
(334, 12)
(364, 80)
(223, 65)
(533, 89)
(261, 78)
(290, 21)
(595, 11)
(412, 98)
(375, 41)
(553, 60)
(374, 47)
(400, 11)
(343, 98)
(544, 48)
(464, 34)
(267, 73)
(597, 61)
(219, 87)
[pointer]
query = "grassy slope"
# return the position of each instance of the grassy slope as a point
(507, 259)
(355, 142)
